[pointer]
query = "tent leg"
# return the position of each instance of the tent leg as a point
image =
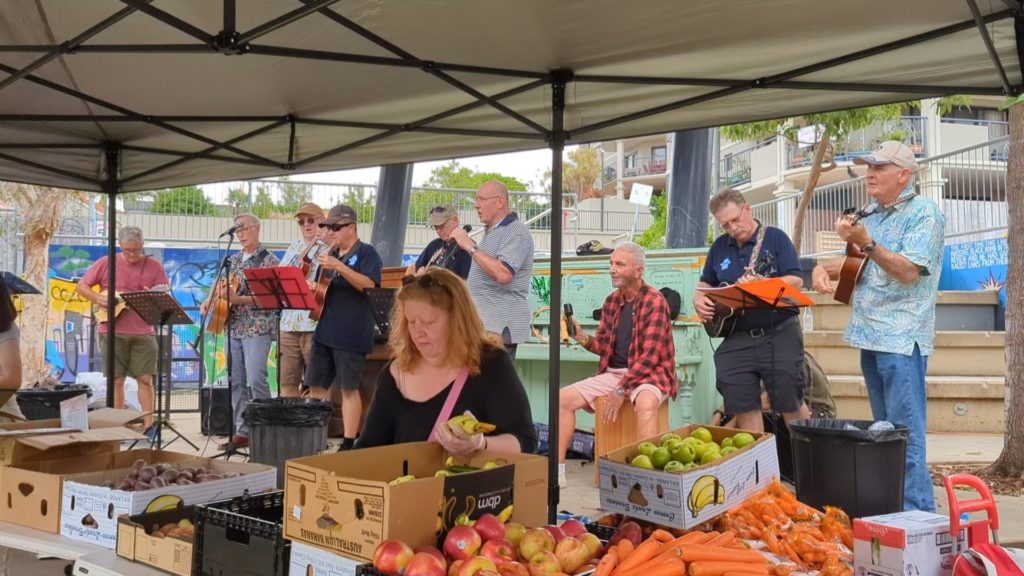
(110, 187)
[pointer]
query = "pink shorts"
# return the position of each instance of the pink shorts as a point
(605, 383)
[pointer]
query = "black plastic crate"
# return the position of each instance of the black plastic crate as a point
(605, 533)
(44, 403)
(368, 570)
(243, 536)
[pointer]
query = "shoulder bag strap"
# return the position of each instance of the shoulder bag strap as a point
(449, 403)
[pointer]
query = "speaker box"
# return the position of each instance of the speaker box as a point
(215, 411)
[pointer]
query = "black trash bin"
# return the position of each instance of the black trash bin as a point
(860, 471)
(284, 428)
(44, 403)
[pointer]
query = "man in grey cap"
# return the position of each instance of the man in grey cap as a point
(344, 334)
(296, 325)
(442, 251)
(893, 318)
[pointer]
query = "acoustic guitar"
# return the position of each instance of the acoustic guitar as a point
(722, 324)
(323, 282)
(854, 261)
(219, 311)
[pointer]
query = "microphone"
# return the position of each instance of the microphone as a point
(229, 231)
(568, 319)
(467, 228)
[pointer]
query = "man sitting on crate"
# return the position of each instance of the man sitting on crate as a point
(634, 341)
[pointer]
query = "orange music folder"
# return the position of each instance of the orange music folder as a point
(767, 293)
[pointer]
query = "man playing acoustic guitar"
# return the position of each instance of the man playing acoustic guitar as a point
(296, 326)
(893, 319)
(764, 344)
(135, 346)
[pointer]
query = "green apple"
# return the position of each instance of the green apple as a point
(709, 456)
(689, 465)
(699, 448)
(726, 442)
(660, 457)
(674, 467)
(646, 448)
(729, 450)
(672, 444)
(742, 439)
(670, 436)
(643, 461)
(702, 434)
(683, 453)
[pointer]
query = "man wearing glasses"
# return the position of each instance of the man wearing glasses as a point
(344, 334)
(252, 329)
(296, 326)
(135, 348)
(499, 278)
(442, 251)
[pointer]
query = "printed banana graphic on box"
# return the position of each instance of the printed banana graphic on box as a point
(706, 490)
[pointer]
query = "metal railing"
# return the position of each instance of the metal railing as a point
(996, 128)
(864, 141)
(734, 168)
(634, 167)
(970, 184)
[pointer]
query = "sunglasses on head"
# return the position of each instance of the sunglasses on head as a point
(305, 221)
(336, 227)
(425, 281)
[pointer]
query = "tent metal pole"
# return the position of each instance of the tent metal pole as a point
(559, 79)
(172, 21)
(989, 46)
(229, 17)
(283, 20)
(110, 187)
(45, 168)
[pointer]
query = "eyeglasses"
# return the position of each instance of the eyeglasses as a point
(305, 221)
(131, 250)
(336, 227)
(243, 227)
(482, 198)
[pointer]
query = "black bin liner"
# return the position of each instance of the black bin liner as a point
(284, 428)
(860, 471)
(44, 403)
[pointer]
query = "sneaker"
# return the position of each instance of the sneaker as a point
(150, 433)
(235, 443)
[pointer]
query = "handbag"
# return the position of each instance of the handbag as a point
(449, 402)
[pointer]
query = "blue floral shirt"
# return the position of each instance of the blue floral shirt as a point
(889, 316)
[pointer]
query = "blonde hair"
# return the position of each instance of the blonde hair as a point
(467, 338)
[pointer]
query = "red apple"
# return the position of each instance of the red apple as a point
(474, 565)
(489, 527)
(434, 552)
(630, 531)
(486, 572)
(593, 544)
(513, 568)
(498, 550)
(461, 543)
(392, 556)
(453, 569)
(556, 532)
(573, 527)
(571, 554)
(424, 564)
(544, 564)
(535, 541)
(514, 532)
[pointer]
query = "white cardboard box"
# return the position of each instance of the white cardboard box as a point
(665, 498)
(89, 512)
(904, 544)
(307, 560)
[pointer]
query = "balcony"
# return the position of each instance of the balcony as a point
(862, 142)
(636, 167)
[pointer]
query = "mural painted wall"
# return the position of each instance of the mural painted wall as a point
(979, 265)
(191, 271)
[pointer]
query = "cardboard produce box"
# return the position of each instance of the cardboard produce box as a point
(916, 542)
(136, 540)
(89, 511)
(31, 492)
(343, 502)
(684, 500)
(46, 440)
(312, 561)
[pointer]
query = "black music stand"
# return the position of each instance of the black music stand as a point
(160, 309)
(382, 300)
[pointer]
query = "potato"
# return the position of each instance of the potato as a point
(146, 473)
(184, 482)
(157, 482)
(185, 475)
(169, 475)
(141, 485)
(138, 464)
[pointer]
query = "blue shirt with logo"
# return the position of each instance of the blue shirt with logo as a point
(347, 320)
(727, 262)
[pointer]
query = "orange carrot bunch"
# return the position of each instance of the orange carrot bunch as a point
(691, 554)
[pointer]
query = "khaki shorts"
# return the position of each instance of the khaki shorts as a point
(605, 383)
(133, 355)
(295, 349)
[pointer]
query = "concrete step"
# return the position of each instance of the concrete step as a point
(956, 353)
(955, 403)
(974, 310)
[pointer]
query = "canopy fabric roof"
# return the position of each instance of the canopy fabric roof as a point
(202, 91)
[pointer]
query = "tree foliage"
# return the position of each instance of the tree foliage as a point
(581, 172)
(654, 237)
(189, 200)
(293, 194)
(455, 175)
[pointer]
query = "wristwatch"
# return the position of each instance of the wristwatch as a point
(474, 250)
(620, 391)
(869, 247)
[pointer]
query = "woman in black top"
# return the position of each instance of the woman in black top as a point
(435, 333)
(10, 351)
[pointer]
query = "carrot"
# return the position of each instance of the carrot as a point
(704, 552)
(725, 540)
(647, 550)
(705, 537)
(608, 562)
(670, 567)
(711, 568)
(625, 547)
(737, 573)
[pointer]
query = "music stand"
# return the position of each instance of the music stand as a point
(382, 300)
(160, 310)
(768, 293)
(279, 288)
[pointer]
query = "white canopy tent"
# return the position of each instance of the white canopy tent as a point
(141, 94)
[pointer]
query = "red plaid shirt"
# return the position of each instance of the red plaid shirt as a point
(652, 353)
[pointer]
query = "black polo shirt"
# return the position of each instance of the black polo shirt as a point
(727, 261)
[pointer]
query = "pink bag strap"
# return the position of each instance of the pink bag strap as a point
(449, 403)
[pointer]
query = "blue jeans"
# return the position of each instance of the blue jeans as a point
(248, 357)
(896, 390)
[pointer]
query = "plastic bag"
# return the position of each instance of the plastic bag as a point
(294, 412)
(855, 430)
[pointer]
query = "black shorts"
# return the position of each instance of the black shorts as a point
(330, 367)
(776, 358)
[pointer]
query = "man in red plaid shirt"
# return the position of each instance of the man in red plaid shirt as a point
(634, 341)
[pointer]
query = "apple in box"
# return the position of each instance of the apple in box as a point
(573, 527)
(489, 527)
(433, 552)
(514, 533)
(556, 532)
(498, 551)
(475, 565)
(424, 564)
(392, 556)
(513, 569)
(535, 541)
(462, 543)
(544, 564)
(571, 554)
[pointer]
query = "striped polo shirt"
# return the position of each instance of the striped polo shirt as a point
(505, 305)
